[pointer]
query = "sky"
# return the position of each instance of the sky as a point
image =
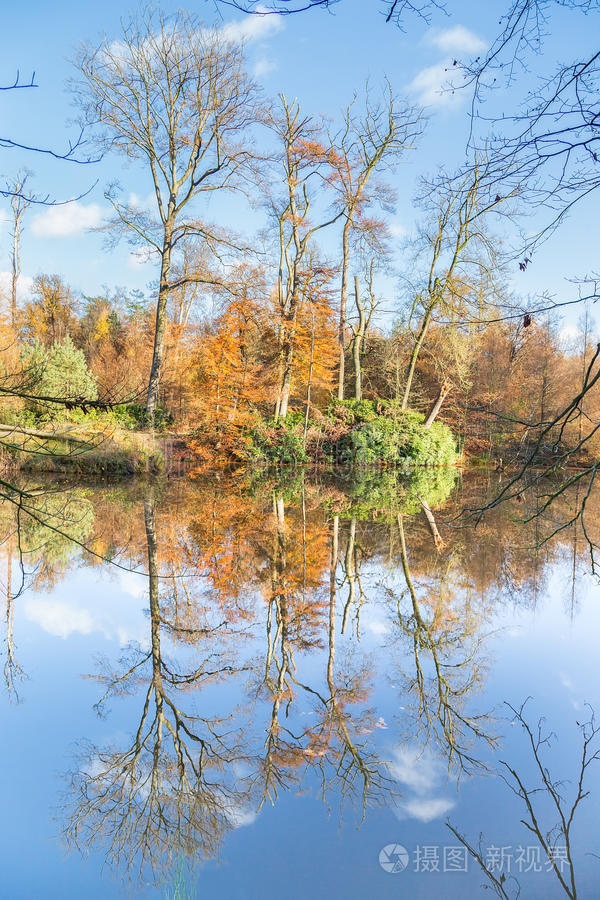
(318, 57)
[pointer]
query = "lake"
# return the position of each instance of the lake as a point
(253, 687)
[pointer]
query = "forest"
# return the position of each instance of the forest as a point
(316, 338)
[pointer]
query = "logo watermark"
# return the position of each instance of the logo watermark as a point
(394, 858)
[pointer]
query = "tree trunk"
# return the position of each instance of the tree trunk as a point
(153, 593)
(286, 383)
(332, 597)
(350, 572)
(358, 340)
(16, 271)
(415, 353)
(343, 305)
(287, 358)
(444, 391)
(437, 538)
(310, 372)
(7, 431)
(160, 326)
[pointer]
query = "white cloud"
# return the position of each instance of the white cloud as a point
(456, 40)
(24, 285)
(94, 611)
(252, 28)
(397, 230)
(67, 220)
(59, 618)
(437, 85)
(434, 86)
(239, 816)
(263, 66)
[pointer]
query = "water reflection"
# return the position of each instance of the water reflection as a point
(445, 633)
(275, 613)
(548, 812)
(171, 790)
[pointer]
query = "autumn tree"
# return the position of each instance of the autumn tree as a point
(305, 157)
(461, 262)
(230, 382)
(174, 95)
(372, 140)
(315, 337)
(51, 314)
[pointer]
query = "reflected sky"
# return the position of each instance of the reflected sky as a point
(279, 682)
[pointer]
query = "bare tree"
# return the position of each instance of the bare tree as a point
(441, 697)
(306, 161)
(19, 203)
(556, 840)
(461, 259)
(174, 95)
(171, 792)
(371, 141)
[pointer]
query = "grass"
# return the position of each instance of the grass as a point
(92, 452)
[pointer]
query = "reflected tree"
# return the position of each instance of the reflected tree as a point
(555, 840)
(335, 745)
(171, 792)
(446, 643)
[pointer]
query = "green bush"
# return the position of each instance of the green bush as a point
(361, 433)
(59, 371)
(396, 438)
(389, 492)
(280, 443)
(133, 416)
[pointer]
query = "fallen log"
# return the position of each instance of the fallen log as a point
(63, 436)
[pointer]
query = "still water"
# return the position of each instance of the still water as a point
(233, 688)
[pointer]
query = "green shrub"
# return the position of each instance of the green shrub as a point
(59, 371)
(396, 439)
(362, 433)
(280, 443)
(134, 416)
(389, 492)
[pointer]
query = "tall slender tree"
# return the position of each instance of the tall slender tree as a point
(174, 95)
(305, 156)
(19, 203)
(461, 258)
(371, 141)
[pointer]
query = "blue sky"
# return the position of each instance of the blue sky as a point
(320, 58)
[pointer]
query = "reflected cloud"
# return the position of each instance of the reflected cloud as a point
(63, 618)
(423, 773)
(427, 810)
(238, 816)
(419, 771)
